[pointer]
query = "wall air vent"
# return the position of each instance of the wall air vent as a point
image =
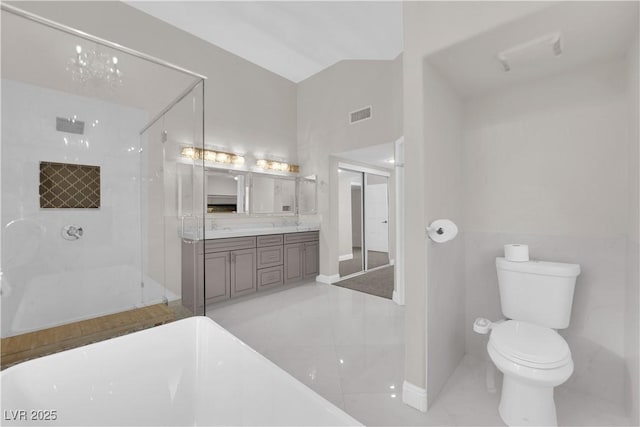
(360, 115)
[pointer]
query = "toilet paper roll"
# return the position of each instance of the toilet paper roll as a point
(442, 230)
(516, 252)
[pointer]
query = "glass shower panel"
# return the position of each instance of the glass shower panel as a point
(73, 176)
(174, 202)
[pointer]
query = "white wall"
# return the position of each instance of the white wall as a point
(428, 28)
(324, 103)
(632, 291)
(111, 233)
(222, 185)
(546, 165)
(443, 182)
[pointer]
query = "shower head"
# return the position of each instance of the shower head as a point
(531, 51)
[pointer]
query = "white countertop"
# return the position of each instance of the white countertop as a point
(222, 233)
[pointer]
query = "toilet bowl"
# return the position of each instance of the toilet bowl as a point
(534, 359)
(537, 297)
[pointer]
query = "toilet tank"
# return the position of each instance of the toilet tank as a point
(538, 292)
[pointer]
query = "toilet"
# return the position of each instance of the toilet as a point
(536, 299)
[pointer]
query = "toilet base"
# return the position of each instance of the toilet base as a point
(523, 404)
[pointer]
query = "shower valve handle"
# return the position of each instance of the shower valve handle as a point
(71, 232)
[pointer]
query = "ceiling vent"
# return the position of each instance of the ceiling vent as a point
(531, 52)
(360, 115)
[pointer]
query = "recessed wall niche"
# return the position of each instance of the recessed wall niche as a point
(69, 186)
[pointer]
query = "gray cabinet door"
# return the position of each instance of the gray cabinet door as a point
(293, 269)
(243, 272)
(311, 259)
(217, 276)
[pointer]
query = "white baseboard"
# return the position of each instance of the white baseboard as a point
(346, 257)
(414, 396)
(396, 298)
(328, 279)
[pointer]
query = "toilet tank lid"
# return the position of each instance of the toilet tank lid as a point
(539, 267)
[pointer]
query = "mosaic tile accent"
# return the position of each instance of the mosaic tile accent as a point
(64, 185)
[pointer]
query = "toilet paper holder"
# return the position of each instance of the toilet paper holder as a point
(438, 230)
(442, 230)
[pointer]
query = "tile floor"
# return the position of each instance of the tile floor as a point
(348, 347)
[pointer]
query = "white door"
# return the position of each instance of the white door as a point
(376, 202)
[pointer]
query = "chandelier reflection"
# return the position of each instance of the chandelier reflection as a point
(94, 65)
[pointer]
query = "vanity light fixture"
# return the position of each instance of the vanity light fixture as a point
(212, 156)
(277, 166)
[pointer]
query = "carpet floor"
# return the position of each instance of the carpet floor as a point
(377, 282)
(354, 265)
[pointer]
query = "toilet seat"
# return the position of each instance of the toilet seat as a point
(530, 345)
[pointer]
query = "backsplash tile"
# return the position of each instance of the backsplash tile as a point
(64, 185)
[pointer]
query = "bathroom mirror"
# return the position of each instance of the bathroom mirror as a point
(225, 192)
(307, 196)
(272, 194)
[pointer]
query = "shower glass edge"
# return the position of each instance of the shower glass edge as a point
(173, 202)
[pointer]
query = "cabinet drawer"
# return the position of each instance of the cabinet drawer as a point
(270, 256)
(270, 240)
(307, 236)
(269, 277)
(231, 244)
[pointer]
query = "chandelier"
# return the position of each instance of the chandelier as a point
(96, 66)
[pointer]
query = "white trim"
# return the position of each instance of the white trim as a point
(399, 291)
(357, 168)
(396, 298)
(328, 279)
(414, 396)
(392, 262)
(346, 257)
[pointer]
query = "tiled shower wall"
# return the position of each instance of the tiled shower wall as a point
(111, 232)
(546, 165)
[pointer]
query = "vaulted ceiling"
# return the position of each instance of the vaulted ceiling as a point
(295, 39)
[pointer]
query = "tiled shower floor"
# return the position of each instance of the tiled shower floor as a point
(349, 347)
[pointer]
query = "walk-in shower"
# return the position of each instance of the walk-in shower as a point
(93, 185)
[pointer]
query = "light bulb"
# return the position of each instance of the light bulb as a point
(78, 49)
(115, 60)
(238, 160)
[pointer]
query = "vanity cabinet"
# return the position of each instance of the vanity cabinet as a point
(215, 270)
(229, 268)
(301, 256)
